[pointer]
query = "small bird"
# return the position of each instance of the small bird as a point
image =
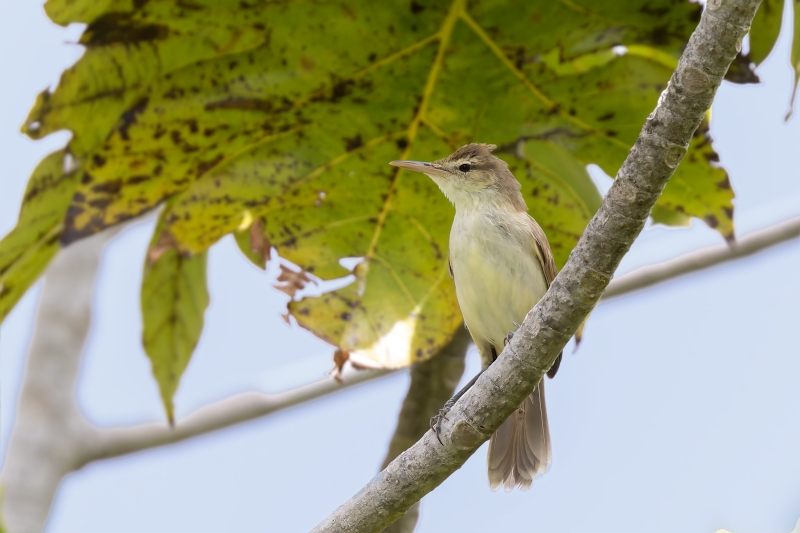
(502, 265)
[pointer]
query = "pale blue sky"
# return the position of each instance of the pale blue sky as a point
(680, 412)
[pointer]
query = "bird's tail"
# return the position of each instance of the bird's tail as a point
(520, 449)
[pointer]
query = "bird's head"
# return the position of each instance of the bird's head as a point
(471, 177)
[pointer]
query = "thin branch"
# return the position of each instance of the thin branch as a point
(433, 382)
(108, 443)
(659, 149)
(702, 259)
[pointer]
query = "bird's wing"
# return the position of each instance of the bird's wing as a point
(543, 253)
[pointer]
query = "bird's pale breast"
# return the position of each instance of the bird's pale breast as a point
(497, 274)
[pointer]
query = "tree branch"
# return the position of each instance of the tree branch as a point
(108, 443)
(49, 431)
(702, 259)
(659, 149)
(433, 382)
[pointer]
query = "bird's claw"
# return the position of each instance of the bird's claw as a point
(436, 422)
(510, 335)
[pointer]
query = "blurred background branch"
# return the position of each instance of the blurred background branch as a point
(702, 259)
(50, 432)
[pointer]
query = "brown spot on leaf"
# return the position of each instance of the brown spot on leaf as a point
(121, 28)
(108, 187)
(135, 180)
(351, 143)
(129, 118)
(100, 203)
(205, 166)
(728, 212)
(166, 241)
(711, 220)
(607, 116)
(724, 184)
(416, 8)
(340, 90)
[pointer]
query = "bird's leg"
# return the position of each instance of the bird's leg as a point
(436, 421)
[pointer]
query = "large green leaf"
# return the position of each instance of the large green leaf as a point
(174, 299)
(287, 113)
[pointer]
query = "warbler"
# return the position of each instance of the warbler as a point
(502, 265)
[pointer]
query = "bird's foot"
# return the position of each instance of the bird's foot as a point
(436, 421)
(510, 335)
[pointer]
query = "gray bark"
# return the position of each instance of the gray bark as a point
(659, 149)
(50, 433)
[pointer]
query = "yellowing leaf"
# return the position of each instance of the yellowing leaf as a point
(174, 298)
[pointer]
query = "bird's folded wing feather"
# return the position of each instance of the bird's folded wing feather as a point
(543, 253)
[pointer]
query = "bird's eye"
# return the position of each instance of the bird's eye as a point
(464, 167)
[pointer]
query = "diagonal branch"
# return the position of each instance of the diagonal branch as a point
(659, 149)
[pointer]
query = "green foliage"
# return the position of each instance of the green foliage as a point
(764, 33)
(765, 29)
(275, 121)
(174, 298)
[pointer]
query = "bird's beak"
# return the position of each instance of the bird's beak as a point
(420, 166)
